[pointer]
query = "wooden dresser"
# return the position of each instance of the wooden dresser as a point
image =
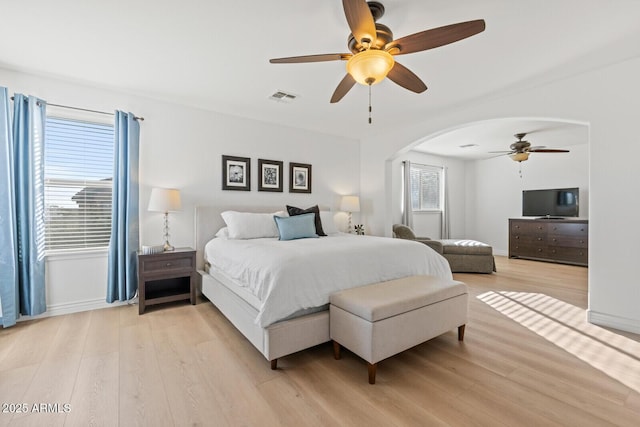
(555, 240)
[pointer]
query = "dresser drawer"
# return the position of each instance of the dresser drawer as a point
(573, 255)
(573, 229)
(528, 227)
(568, 241)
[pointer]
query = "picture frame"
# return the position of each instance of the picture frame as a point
(270, 175)
(299, 178)
(236, 173)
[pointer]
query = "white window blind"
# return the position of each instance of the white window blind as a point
(426, 187)
(78, 174)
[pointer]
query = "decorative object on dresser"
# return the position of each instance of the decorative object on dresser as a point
(270, 175)
(299, 178)
(166, 277)
(359, 228)
(350, 204)
(564, 241)
(165, 200)
(236, 173)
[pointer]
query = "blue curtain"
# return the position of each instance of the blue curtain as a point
(24, 153)
(8, 231)
(123, 280)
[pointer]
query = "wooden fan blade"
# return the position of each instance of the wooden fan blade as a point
(404, 77)
(548, 150)
(360, 20)
(312, 58)
(437, 37)
(344, 86)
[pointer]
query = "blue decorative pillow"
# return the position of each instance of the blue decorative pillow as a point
(296, 227)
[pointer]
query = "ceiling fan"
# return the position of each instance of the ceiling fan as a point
(520, 149)
(373, 48)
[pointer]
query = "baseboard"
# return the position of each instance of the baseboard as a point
(73, 307)
(616, 322)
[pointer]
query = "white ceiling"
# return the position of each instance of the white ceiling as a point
(477, 141)
(214, 54)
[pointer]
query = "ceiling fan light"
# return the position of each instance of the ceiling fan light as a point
(519, 157)
(370, 66)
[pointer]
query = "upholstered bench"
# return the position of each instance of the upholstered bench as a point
(383, 319)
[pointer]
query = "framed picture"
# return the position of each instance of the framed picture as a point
(299, 178)
(236, 173)
(270, 175)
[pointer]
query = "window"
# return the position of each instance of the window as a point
(78, 177)
(426, 187)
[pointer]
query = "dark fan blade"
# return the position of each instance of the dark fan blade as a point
(345, 86)
(404, 77)
(437, 37)
(360, 20)
(312, 58)
(547, 150)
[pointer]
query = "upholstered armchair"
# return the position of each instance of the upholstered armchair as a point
(464, 255)
(403, 232)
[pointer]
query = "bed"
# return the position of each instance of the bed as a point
(265, 297)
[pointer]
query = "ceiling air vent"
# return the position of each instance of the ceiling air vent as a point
(282, 96)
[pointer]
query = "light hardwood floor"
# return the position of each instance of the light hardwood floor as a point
(529, 358)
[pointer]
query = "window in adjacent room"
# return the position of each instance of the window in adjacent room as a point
(78, 176)
(426, 187)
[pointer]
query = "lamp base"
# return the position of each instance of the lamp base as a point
(167, 247)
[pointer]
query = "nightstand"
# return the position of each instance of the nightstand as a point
(165, 277)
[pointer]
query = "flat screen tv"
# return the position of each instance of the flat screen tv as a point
(552, 203)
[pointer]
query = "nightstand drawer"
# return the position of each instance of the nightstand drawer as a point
(168, 264)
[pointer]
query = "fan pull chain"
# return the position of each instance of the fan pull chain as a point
(520, 169)
(369, 103)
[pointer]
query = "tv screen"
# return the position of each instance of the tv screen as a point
(558, 202)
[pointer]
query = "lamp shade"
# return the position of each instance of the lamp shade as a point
(519, 157)
(370, 67)
(165, 200)
(350, 204)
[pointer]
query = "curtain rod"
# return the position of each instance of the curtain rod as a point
(431, 166)
(86, 109)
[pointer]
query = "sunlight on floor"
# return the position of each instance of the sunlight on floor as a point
(565, 326)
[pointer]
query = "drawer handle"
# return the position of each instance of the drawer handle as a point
(517, 237)
(555, 240)
(539, 238)
(539, 250)
(581, 241)
(168, 264)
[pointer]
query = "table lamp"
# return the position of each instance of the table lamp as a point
(350, 204)
(165, 200)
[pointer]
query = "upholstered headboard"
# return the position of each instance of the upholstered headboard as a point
(208, 221)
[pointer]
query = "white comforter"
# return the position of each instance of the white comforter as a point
(287, 276)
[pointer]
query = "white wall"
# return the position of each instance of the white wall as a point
(606, 99)
(181, 147)
(496, 188)
(428, 223)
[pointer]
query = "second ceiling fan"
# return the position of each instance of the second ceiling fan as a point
(373, 48)
(520, 149)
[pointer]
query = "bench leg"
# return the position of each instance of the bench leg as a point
(336, 350)
(461, 333)
(274, 364)
(372, 372)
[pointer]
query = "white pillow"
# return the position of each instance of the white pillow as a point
(248, 225)
(328, 222)
(223, 233)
